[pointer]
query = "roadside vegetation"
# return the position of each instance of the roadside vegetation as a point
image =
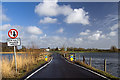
(25, 64)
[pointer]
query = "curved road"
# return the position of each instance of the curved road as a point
(59, 68)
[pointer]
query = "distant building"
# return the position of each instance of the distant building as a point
(59, 49)
(47, 49)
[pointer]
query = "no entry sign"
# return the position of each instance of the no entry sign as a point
(13, 33)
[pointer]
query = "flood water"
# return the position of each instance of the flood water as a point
(112, 61)
(10, 56)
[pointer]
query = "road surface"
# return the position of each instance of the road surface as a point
(59, 68)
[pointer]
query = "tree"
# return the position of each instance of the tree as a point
(48, 47)
(56, 49)
(113, 49)
(23, 48)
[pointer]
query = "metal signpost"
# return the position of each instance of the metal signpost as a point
(13, 41)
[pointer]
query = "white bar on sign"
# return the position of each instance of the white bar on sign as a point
(13, 42)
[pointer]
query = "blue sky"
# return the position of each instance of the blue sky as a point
(72, 24)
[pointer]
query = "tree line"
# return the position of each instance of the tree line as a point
(112, 49)
(6, 48)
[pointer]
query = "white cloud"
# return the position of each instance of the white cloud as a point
(103, 36)
(114, 27)
(96, 35)
(112, 33)
(51, 8)
(46, 8)
(78, 39)
(5, 27)
(65, 10)
(85, 33)
(48, 20)
(43, 36)
(78, 16)
(34, 30)
(61, 30)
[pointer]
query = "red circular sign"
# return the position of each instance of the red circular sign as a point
(13, 33)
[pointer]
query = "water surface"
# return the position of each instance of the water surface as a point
(98, 61)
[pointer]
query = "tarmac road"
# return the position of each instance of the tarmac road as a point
(59, 68)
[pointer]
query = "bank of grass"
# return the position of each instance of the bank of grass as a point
(96, 70)
(89, 67)
(25, 64)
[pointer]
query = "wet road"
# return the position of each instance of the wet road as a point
(59, 68)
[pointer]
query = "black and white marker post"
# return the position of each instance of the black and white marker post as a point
(13, 41)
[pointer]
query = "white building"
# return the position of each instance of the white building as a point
(47, 49)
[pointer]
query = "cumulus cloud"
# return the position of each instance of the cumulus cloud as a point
(78, 16)
(85, 33)
(78, 40)
(34, 30)
(51, 8)
(96, 36)
(61, 30)
(48, 20)
(46, 8)
(5, 27)
(112, 33)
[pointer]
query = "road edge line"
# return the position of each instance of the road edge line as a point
(38, 69)
(87, 69)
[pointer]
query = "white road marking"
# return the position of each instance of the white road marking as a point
(39, 69)
(87, 69)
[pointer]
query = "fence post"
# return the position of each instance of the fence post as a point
(90, 63)
(105, 65)
(83, 59)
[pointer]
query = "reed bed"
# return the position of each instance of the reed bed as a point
(24, 64)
